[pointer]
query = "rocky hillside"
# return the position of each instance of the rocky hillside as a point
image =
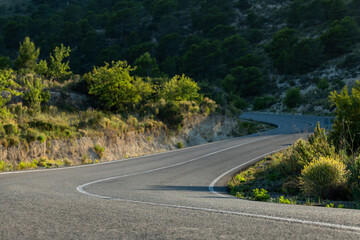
(87, 150)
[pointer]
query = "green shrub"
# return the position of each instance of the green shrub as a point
(346, 127)
(240, 178)
(354, 178)
(263, 102)
(330, 205)
(180, 88)
(86, 159)
(5, 166)
(99, 150)
(21, 166)
(284, 200)
(249, 127)
(31, 135)
(13, 141)
(42, 162)
(4, 143)
(41, 138)
(180, 145)
(10, 129)
(260, 194)
(67, 162)
(293, 97)
(170, 114)
(323, 84)
(208, 106)
(322, 175)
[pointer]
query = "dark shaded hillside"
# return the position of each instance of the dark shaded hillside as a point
(240, 47)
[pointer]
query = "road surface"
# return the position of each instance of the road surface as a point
(174, 195)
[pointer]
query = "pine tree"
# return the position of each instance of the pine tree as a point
(28, 55)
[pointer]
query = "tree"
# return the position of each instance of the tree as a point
(234, 47)
(169, 45)
(28, 55)
(340, 37)
(113, 85)
(307, 54)
(202, 61)
(346, 127)
(146, 66)
(5, 62)
(7, 86)
(35, 95)
(163, 7)
(57, 68)
(293, 97)
(181, 88)
(245, 82)
(280, 48)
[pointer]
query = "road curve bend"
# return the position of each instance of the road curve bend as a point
(174, 195)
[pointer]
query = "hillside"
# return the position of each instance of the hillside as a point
(236, 50)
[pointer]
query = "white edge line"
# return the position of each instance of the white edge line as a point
(211, 189)
(282, 219)
(212, 184)
(147, 155)
(80, 188)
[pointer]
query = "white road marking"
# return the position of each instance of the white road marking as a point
(282, 219)
(80, 188)
(212, 184)
(128, 159)
(211, 189)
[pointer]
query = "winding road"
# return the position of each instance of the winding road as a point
(174, 195)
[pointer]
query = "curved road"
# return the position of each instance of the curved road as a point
(173, 195)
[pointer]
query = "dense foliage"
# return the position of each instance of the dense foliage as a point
(308, 169)
(227, 44)
(346, 127)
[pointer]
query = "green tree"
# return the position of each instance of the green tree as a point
(7, 86)
(146, 66)
(58, 69)
(234, 47)
(113, 85)
(181, 88)
(163, 7)
(280, 49)
(340, 37)
(5, 62)
(246, 82)
(168, 46)
(293, 97)
(346, 127)
(306, 55)
(35, 95)
(202, 61)
(144, 87)
(28, 55)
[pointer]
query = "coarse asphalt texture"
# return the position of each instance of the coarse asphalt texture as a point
(179, 194)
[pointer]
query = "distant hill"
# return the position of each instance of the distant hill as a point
(235, 49)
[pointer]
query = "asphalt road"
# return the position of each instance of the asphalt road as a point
(173, 195)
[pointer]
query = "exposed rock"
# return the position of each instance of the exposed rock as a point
(197, 131)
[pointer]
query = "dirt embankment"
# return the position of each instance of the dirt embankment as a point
(195, 131)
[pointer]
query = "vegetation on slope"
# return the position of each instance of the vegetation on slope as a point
(325, 167)
(235, 49)
(119, 105)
